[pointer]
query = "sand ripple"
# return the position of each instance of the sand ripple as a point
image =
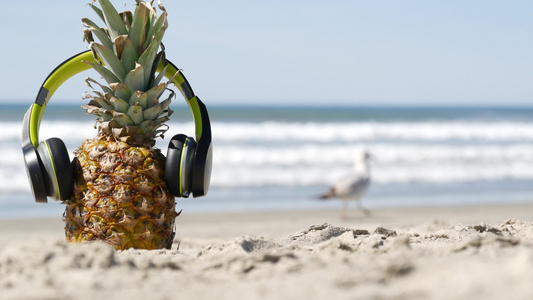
(436, 260)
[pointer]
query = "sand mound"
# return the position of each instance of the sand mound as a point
(430, 261)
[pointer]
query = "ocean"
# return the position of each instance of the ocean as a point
(281, 158)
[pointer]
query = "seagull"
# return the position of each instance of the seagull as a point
(352, 186)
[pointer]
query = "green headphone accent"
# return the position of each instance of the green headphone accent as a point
(188, 164)
(75, 65)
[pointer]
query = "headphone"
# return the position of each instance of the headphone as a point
(187, 166)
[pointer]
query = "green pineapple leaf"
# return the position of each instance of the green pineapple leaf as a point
(135, 112)
(159, 77)
(99, 32)
(104, 88)
(149, 55)
(135, 79)
(127, 18)
(110, 60)
(137, 32)
(139, 98)
(121, 90)
(156, 91)
(122, 119)
(98, 11)
(126, 52)
(119, 105)
(108, 76)
(114, 22)
(160, 25)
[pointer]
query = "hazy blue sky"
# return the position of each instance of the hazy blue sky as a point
(301, 52)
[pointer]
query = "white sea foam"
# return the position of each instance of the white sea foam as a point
(294, 154)
(313, 164)
(365, 131)
(317, 132)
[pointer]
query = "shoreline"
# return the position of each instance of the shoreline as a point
(279, 223)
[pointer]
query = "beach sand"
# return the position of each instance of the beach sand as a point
(465, 252)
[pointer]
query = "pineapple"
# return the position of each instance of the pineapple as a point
(120, 195)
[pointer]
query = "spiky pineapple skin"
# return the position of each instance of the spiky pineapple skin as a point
(120, 197)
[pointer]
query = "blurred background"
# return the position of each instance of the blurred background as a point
(439, 92)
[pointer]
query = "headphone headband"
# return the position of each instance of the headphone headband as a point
(42, 161)
(76, 64)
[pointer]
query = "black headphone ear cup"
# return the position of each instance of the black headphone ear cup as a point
(58, 175)
(173, 164)
(179, 165)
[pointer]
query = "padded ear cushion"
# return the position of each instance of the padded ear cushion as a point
(172, 164)
(35, 174)
(58, 175)
(34, 168)
(187, 161)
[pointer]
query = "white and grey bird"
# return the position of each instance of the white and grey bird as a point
(353, 186)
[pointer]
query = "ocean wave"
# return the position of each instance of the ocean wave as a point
(429, 173)
(367, 131)
(310, 131)
(310, 153)
(394, 154)
(316, 164)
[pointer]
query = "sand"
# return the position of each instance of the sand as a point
(467, 252)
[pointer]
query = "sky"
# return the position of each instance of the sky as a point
(386, 52)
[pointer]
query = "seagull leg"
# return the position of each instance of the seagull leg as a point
(344, 210)
(365, 211)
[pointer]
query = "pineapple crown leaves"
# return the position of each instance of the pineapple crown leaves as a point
(128, 107)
